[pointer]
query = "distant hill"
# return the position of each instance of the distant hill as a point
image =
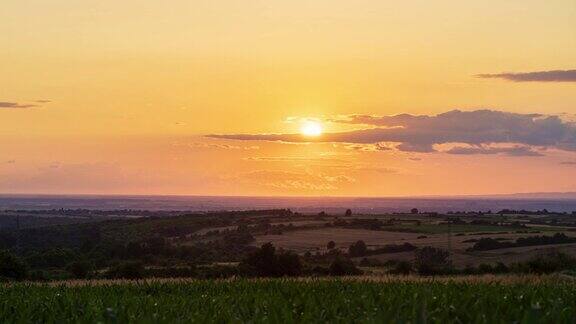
(535, 195)
(560, 202)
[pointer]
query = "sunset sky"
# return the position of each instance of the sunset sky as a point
(287, 97)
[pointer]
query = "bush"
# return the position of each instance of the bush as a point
(173, 272)
(127, 270)
(393, 248)
(288, 264)
(37, 275)
(266, 263)
(485, 244)
(11, 267)
(331, 245)
(79, 269)
(430, 260)
(547, 262)
(358, 249)
(369, 262)
(343, 267)
(402, 268)
(217, 271)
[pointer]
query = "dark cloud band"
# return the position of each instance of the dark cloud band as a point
(15, 105)
(540, 76)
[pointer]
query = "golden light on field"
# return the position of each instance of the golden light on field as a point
(311, 128)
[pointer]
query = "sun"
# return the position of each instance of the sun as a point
(311, 128)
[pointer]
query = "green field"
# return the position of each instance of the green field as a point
(283, 301)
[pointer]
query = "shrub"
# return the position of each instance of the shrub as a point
(343, 267)
(288, 264)
(265, 262)
(331, 245)
(79, 269)
(402, 268)
(37, 275)
(358, 249)
(485, 244)
(127, 270)
(430, 260)
(393, 248)
(11, 267)
(547, 262)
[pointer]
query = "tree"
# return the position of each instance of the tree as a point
(430, 260)
(288, 264)
(128, 270)
(343, 267)
(79, 269)
(402, 268)
(262, 261)
(331, 245)
(414, 211)
(348, 212)
(11, 267)
(357, 249)
(266, 263)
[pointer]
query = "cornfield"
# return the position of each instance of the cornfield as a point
(286, 301)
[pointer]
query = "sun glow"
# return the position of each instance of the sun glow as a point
(311, 128)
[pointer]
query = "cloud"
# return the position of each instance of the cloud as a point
(287, 180)
(512, 151)
(568, 163)
(291, 159)
(198, 145)
(369, 147)
(382, 170)
(539, 76)
(15, 105)
(419, 133)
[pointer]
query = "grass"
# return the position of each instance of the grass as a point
(285, 301)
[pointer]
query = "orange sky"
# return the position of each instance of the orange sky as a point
(118, 96)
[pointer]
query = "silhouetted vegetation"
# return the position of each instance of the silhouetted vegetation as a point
(485, 244)
(79, 269)
(360, 249)
(266, 262)
(343, 267)
(402, 268)
(430, 260)
(11, 267)
(331, 245)
(221, 245)
(357, 249)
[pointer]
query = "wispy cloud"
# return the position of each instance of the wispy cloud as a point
(539, 76)
(199, 145)
(15, 105)
(288, 180)
(413, 133)
(512, 151)
(291, 159)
